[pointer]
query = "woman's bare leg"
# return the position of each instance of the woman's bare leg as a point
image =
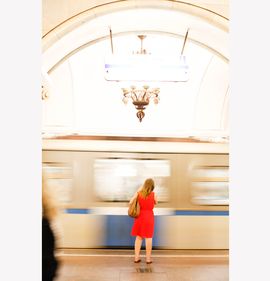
(138, 244)
(148, 246)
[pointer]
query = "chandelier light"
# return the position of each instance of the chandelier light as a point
(142, 68)
(140, 98)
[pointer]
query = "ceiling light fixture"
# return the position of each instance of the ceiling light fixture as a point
(144, 68)
(141, 96)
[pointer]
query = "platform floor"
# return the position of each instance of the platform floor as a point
(168, 265)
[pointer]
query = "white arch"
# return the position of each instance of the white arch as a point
(207, 28)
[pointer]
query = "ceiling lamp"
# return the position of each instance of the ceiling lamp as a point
(143, 68)
(140, 97)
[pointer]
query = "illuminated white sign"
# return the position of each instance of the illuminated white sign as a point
(146, 68)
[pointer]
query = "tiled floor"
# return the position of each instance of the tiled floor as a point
(117, 265)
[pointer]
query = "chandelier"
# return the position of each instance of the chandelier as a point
(140, 68)
(140, 98)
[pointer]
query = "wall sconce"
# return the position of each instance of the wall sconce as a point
(46, 85)
(44, 92)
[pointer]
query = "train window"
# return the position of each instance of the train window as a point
(59, 181)
(118, 179)
(210, 185)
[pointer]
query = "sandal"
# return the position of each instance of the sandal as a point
(148, 262)
(137, 261)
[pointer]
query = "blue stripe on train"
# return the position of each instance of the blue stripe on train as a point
(78, 211)
(200, 213)
(176, 212)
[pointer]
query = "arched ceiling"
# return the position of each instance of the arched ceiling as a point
(57, 12)
(76, 38)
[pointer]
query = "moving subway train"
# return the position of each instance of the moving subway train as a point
(93, 179)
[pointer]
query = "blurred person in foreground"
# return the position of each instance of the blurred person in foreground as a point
(50, 264)
(143, 227)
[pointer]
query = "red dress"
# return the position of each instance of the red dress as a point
(144, 224)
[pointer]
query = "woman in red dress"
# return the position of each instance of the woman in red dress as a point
(143, 226)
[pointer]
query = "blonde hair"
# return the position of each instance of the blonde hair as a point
(49, 209)
(147, 188)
